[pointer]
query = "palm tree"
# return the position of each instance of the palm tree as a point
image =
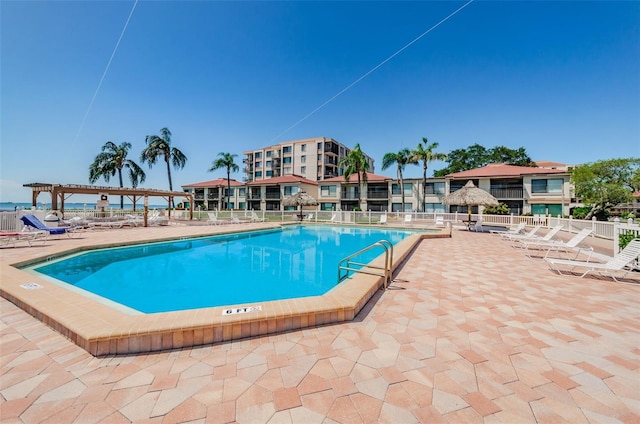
(225, 161)
(424, 152)
(355, 162)
(402, 158)
(161, 146)
(111, 161)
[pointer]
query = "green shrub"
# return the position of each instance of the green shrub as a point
(501, 209)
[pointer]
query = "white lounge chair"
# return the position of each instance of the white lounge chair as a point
(335, 218)
(235, 220)
(519, 242)
(515, 230)
(29, 237)
(255, 217)
(440, 221)
(623, 263)
(309, 217)
(383, 218)
(213, 219)
(558, 245)
(529, 235)
(407, 218)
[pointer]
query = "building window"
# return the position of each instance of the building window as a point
(258, 164)
(242, 205)
(269, 173)
(303, 159)
(269, 153)
(303, 148)
(258, 174)
(242, 191)
(408, 189)
(303, 170)
(397, 207)
(258, 155)
(434, 188)
(542, 209)
(269, 163)
(286, 149)
(434, 208)
(290, 190)
(320, 146)
(286, 160)
(328, 191)
(552, 185)
(327, 206)
(287, 170)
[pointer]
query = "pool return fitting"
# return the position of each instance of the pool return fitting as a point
(347, 263)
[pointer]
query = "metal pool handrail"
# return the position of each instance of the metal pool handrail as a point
(346, 263)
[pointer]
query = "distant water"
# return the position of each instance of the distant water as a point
(10, 206)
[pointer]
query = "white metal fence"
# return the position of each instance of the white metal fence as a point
(10, 221)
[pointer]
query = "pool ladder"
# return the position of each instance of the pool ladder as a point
(347, 263)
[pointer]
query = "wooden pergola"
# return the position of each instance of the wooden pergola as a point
(60, 192)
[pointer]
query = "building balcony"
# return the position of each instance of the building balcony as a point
(377, 195)
(273, 196)
(507, 193)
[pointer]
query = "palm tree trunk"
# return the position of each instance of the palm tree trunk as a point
(401, 187)
(359, 192)
(228, 186)
(121, 186)
(424, 185)
(166, 159)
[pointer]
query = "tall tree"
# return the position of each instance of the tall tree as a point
(226, 161)
(111, 161)
(160, 146)
(476, 156)
(606, 183)
(425, 153)
(355, 162)
(401, 159)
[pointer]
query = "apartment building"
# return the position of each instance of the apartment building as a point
(315, 159)
(536, 190)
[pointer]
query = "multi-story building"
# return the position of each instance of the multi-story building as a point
(315, 159)
(536, 190)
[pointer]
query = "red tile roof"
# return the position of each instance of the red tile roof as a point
(354, 178)
(285, 179)
(503, 170)
(220, 182)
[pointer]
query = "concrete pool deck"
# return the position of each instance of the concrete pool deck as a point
(471, 330)
(102, 329)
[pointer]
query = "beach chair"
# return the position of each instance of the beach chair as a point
(519, 241)
(560, 246)
(31, 221)
(28, 237)
(235, 220)
(383, 219)
(213, 219)
(335, 218)
(309, 217)
(515, 230)
(477, 227)
(529, 235)
(407, 218)
(255, 217)
(439, 221)
(624, 263)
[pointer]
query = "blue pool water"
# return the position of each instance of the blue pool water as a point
(222, 270)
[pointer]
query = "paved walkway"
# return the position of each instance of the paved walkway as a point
(470, 331)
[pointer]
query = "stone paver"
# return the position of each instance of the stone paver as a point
(471, 330)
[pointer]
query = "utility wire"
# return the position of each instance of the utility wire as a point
(106, 69)
(372, 70)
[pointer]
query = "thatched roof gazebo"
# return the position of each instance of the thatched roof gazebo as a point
(470, 195)
(300, 199)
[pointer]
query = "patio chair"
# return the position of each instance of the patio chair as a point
(235, 220)
(519, 242)
(477, 227)
(440, 221)
(11, 238)
(335, 218)
(623, 263)
(383, 219)
(407, 218)
(31, 221)
(558, 245)
(213, 219)
(515, 230)
(309, 217)
(255, 217)
(529, 235)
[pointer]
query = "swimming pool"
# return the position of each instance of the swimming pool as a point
(230, 269)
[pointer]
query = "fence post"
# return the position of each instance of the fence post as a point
(616, 238)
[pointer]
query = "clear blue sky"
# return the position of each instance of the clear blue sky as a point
(561, 79)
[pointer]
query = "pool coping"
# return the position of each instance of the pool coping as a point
(102, 330)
